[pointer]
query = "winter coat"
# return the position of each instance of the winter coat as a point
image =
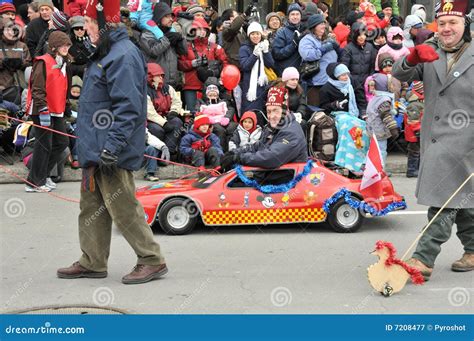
(342, 33)
(297, 102)
(186, 146)
(329, 94)
(276, 146)
(114, 85)
(159, 51)
(34, 32)
(375, 125)
(242, 137)
(396, 54)
(176, 105)
(361, 62)
(247, 61)
(76, 7)
(284, 50)
(310, 50)
(203, 47)
(447, 132)
(80, 53)
(232, 39)
(17, 49)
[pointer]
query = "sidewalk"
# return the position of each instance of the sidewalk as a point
(396, 163)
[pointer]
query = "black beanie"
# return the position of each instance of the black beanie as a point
(160, 11)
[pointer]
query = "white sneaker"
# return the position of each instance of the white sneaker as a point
(50, 183)
(40, 189)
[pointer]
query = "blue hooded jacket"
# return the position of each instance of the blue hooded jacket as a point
(112, 106)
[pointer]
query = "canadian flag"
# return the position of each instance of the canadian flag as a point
(371, 184)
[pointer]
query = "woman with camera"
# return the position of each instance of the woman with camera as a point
(203, 60)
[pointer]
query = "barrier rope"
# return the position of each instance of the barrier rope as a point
(213, 171)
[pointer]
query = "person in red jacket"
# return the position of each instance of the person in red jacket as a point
(412, 123)
(200, 62)
(76, 7)
(46, 103)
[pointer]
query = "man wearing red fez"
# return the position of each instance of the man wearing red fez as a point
(282, 140)
(445, 64)
(111, 131)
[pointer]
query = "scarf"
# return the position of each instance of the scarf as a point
(257, 78)
(346, 89)
(453, 49)
(395, 46)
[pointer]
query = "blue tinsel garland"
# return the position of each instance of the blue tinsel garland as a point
(343, 192)
(268, 189)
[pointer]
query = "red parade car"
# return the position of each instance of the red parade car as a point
(177, 206)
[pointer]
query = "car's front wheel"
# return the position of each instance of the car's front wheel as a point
(343, 218)
(178, 216)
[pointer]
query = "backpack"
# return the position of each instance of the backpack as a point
(322, 136)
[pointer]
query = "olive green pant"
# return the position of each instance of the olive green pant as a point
(113, 200)
(439, 232)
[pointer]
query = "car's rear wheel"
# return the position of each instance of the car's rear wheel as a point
(178, 216)
(343, 218)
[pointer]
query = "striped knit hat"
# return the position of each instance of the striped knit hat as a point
(60, 21)
(6, 7)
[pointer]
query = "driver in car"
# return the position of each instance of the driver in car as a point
(282, 140)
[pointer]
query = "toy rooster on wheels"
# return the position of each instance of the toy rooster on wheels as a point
(390, 274)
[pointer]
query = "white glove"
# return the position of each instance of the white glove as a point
(298, 117)
(265, 46)
(257, 50)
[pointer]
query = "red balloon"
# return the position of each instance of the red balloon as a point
(230, 76)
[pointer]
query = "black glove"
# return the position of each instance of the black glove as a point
(108, 162)
(171, 115)
(297, 37)
(228, 160)
(174, 37)
(168, 128)
(395, 21)
(381, 15)
(248, 10)
(186, 15)
(12, 64)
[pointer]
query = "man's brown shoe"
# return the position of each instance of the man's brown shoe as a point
(417, 264)
(144, 273)
(466, 263)
(78, 271)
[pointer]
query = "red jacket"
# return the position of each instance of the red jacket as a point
(56, 87)
(212, 52)
(77, 7)
(411, 129)
(342, 32)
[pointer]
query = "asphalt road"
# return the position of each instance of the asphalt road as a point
(284, 269)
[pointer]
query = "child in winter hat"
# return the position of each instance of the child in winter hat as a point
(248, 131)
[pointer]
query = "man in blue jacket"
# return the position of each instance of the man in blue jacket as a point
(111, 131)
(285, 46)
(282, 140)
